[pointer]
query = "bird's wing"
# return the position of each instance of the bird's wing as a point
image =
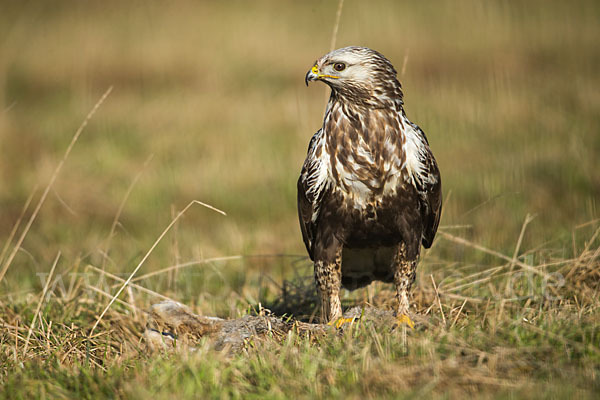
(312, 186)
(431, 195)
(429, 187)
(305, 208)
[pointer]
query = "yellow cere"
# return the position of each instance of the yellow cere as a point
(315, 70)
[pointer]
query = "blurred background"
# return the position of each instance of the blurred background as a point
(507, 93)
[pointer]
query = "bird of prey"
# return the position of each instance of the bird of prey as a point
(369, 193)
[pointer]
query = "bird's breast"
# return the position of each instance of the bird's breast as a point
(363, 180)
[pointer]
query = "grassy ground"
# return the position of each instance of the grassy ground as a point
(209, 103)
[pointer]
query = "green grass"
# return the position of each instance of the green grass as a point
(507, 94)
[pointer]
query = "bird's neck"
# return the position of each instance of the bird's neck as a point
(362, 98)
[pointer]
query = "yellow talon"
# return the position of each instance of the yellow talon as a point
(405, 319)
(340, 321)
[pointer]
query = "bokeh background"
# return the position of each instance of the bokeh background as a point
(507, 93)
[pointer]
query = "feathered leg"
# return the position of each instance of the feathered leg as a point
(405, 268)
(328, 277)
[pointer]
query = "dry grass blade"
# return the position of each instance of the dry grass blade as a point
(492, 273)
(39, 306)
(52, 180)
(17, 224)
(148, 255)
(456, 296)
(404, 63)
(141, 288)
(592, 222)
(338, 16)
(528, 219)
(589, 243)
(122, 205)
(594, 257)
(456, 226)
(336, 25)
(458, 314)
(437, 297)
(103, 293)
(186, 264)
(476, 246)
(489, 274)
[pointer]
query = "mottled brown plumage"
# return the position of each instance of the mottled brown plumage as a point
(369, 193)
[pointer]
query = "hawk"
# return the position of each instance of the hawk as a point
(369, 194)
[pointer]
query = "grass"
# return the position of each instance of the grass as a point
(209, 104)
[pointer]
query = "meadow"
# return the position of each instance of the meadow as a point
(205, 101)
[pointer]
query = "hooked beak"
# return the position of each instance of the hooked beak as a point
(312, 75)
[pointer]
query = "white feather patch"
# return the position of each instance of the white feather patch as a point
(416, 153)
(318, 178)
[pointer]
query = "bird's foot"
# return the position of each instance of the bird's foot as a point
(338, 323)
(404, 319)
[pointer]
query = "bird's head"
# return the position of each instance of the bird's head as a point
(358, 73)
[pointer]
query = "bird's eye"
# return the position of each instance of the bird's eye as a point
(339, 66)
